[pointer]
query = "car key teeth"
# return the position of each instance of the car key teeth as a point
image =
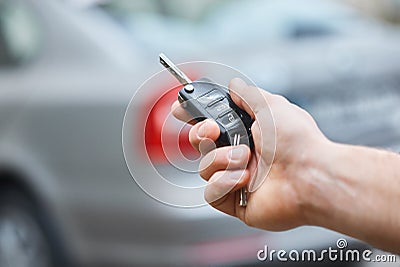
(243, 197)
(243, 191)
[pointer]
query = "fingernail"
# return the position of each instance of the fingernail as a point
(202, 130)
(237, 153)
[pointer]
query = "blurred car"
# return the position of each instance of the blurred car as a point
(325, 56)
(66, 79)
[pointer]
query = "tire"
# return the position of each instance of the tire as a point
(25, 235)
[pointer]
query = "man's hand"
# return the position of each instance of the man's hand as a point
(301, 177)
(275, 170)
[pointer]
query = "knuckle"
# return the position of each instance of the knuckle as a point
(279, 99)
(249, 222)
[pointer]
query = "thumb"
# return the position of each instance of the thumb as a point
(249, 98)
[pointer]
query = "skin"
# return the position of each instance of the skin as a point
(310, 181)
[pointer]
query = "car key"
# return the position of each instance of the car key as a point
(205, 99)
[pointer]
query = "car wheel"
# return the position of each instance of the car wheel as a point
(23, 237)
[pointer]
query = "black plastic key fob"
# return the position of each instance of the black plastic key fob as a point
(204, 99)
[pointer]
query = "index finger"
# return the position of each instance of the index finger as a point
(181, 114)
(249, 98)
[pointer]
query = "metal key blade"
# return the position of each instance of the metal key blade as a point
(174, 70)
(243, 191)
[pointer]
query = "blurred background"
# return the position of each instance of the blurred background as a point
(68, 70)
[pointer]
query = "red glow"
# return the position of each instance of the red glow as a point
(160, 109)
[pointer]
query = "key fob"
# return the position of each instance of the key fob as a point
(204, 99)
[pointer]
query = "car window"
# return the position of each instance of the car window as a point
(303, 29)
(19, 33)
(276, 20)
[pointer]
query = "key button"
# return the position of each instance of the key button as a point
(218, 109)
(229, 119)
(210, 98)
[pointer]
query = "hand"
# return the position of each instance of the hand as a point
(279, 202)
(300, 177)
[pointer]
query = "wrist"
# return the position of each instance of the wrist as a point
(317, 183)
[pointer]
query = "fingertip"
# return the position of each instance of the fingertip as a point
(207, 129)
(243, 179)
(238, 157)
(174, 106)
(247, 151)
(237, 83)
(180, 113)
(176, 109)
(211, 129)
(239, 90)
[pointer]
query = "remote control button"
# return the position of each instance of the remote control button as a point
(210, 98)
(219, 108)
(223, 113)
(215, 101)
(229, 119)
